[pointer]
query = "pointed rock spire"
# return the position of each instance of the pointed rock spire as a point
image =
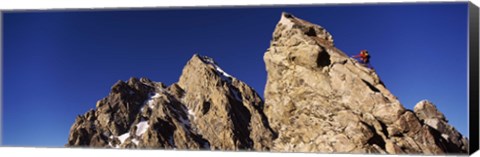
(320, 100)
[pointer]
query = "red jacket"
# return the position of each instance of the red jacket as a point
(361, 55)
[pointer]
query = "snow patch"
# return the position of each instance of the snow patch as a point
(225, 76)
(135, 141)
(141, 128)
(123, 137)
(208, 60)
(110, 143)
(191, 113)
(151, 100)
(222, 72)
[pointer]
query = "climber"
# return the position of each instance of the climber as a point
(364, 57)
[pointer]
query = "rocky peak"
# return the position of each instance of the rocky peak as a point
(206, 109)
(427, 110)
(203, 71)
(428, 113)
(296, 25)
(317, 99)
(320, 100)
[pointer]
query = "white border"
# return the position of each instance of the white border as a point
(12, 5)
(76, 152)
(89, 4)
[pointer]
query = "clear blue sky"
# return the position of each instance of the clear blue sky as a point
(57, 64)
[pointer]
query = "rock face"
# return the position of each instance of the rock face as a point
(206, 109)
(428, 113)
(317, 99)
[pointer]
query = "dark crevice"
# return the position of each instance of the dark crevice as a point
(240, 117)
(178, 106)
(205, 144)
(373, 88)
(384, 128)
(443, 143)
(287, 15)
(323, 59)
(260, 108)
(376, 138)
(265, 120)
(292, 59)
(165, 131)
(205, 107)
(311, 32)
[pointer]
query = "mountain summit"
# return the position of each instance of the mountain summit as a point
(206, 109)
(317, 99)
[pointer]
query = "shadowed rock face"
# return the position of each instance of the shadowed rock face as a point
(317, 99)
(320, 100)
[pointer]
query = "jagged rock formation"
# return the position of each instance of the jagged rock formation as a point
(320, 100)
(317, 99)
(430, 116)
(206, 109)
